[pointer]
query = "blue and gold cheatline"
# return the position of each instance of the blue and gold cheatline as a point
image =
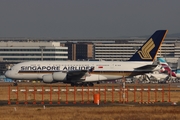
(150, 48)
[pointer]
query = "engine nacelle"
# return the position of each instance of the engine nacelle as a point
(47, 79)
(59, 76)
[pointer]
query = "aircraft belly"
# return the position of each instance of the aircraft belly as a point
(94, 77)
(112, 77)
(28, 77)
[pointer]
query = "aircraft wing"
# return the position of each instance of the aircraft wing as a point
(147, 67)
(77, 75)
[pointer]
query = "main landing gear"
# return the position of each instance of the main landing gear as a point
(15, 83)
(86, 84)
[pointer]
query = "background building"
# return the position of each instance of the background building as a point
(122, 52)
(26, 51)
(12, 52)
(80, 50)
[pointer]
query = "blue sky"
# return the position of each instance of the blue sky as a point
(87, 18)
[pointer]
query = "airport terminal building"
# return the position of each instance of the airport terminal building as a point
(122, 52)
(13, 52)
(26, 51)
(118, 49)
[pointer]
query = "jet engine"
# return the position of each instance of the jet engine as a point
(48, 79)
(59, 76)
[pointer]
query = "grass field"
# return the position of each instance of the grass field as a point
(90, 113)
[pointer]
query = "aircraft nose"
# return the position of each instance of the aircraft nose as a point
(8, 74)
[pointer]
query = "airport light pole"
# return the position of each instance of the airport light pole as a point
(42, 48)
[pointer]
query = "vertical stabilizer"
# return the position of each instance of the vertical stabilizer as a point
(150, 48)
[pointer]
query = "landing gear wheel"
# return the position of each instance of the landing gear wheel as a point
(72, 84)
(75, 84)
(15, 84)
(82, 84)
(91, 84)
(85, 84)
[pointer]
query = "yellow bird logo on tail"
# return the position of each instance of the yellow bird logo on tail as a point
(144, 53)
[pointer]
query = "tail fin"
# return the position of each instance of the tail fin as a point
(162, 61)
(164, 64)
(150, 48)
(178, 71)
(166, 67)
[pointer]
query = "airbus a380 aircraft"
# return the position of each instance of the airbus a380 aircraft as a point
(87, 72)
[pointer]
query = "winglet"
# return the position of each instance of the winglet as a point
(150, 48)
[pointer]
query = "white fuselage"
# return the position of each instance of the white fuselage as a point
(34, 70)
